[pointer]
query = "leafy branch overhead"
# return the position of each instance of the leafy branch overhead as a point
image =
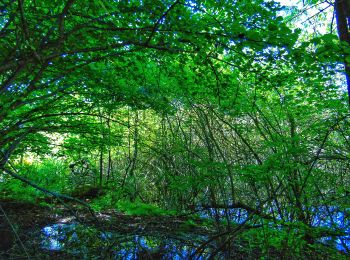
(230, 118)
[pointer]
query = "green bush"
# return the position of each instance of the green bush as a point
(16, 190)
(142, 209)
(130, 208)
(49, 174)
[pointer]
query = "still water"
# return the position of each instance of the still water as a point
(78, 240)
(84, 241)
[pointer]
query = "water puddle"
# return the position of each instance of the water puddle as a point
(81, 241)
(331, 217)
(85, 241)
(56, 236)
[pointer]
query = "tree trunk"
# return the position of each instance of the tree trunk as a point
(342, 14)
(101, 166)
(109, 168)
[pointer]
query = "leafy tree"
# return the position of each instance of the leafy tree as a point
(187, 105)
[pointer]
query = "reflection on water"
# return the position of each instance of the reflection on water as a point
(332, 217)
(57, 235)
(74, 239)
(145, 247)
(82, 240)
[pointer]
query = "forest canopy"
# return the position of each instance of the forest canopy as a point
(236, 108)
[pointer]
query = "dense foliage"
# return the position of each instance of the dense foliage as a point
(171, 107)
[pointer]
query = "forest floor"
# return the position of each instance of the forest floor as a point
(22, 223)
(69, 231)
(28, 215)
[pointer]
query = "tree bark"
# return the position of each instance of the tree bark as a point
(109, 168)
(342, 14)
(101, 166)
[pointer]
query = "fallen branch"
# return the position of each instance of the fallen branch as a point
(52, 193)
